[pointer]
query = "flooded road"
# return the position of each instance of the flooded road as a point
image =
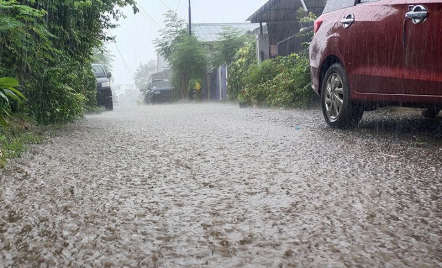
(213, 185)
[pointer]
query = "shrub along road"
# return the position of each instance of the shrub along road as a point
(213, 185)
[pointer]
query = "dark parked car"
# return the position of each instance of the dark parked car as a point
(104, 92)
(371, 53)
(159, 88)
(159, 91)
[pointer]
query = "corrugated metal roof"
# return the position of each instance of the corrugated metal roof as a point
(284, 10)
(210, 32)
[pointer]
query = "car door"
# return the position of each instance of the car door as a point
(149, 89)
(423, 47)
(371, 46)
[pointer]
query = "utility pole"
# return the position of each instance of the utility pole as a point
(190, 19)
(303, 5)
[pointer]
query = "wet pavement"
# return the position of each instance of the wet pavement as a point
(212, 185)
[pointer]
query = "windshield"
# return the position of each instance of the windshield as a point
(160, 84)
(338, 4)
(98, 71)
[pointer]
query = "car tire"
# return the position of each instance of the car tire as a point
(109, 104)
(338, 109)
(430, 113)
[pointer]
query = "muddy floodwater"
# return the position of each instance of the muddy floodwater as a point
(212, 185)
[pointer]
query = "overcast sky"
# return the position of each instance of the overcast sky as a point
(136, 32)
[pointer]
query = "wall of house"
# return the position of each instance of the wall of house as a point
(263, 47)
(217, 85)
(282, 30)
(294, 43)
(162, 63)
(283, 26)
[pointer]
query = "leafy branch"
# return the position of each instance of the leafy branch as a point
(8, 91)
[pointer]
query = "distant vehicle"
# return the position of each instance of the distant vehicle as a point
(159, 88)
(104, 92)
(370, 53)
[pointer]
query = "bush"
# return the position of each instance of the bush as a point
(48, 46)
(14, 140)
(8, 92)
(280, 82)
(238, 70)
(68, 89)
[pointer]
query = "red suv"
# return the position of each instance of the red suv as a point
(371, 53)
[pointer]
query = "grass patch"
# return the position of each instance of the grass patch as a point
(15, 139)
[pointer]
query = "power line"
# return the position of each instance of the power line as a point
(165, 4)
(176, 10)
(150, 17)
(122, 58)
(168, 7)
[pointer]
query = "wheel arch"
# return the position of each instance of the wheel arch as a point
(329, 61)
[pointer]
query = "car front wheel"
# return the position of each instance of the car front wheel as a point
(337, 107)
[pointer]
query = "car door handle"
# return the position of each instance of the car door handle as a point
(417, 14)
(348, 20)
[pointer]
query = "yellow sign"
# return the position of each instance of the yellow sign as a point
(197, 86)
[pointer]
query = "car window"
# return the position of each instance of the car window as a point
(160, 84)
(339, 4)
(367, 1)
(98, 71)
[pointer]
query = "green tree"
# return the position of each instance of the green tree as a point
(48, 46)
(188, 61)
(103, 56)
(238, 71)
(230, 41)
(142, 74)
(25, 42)
(171, 35)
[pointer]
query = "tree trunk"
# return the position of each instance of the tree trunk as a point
(185, 83)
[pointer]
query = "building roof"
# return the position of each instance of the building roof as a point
(282, 10)
(210, 32)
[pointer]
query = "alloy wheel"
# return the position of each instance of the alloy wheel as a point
(334, 98)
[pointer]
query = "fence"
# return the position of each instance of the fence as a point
(217, 84)
(295, 42)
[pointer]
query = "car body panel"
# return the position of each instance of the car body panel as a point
(103, 96)
(101, 81)
(423, 52)
(323, 45)
(160, 91)
(380, 67)
(159, 88)
(372, 51)
(104, 92)
(162, 94)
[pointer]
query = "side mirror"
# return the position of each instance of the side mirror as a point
(109, 75)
